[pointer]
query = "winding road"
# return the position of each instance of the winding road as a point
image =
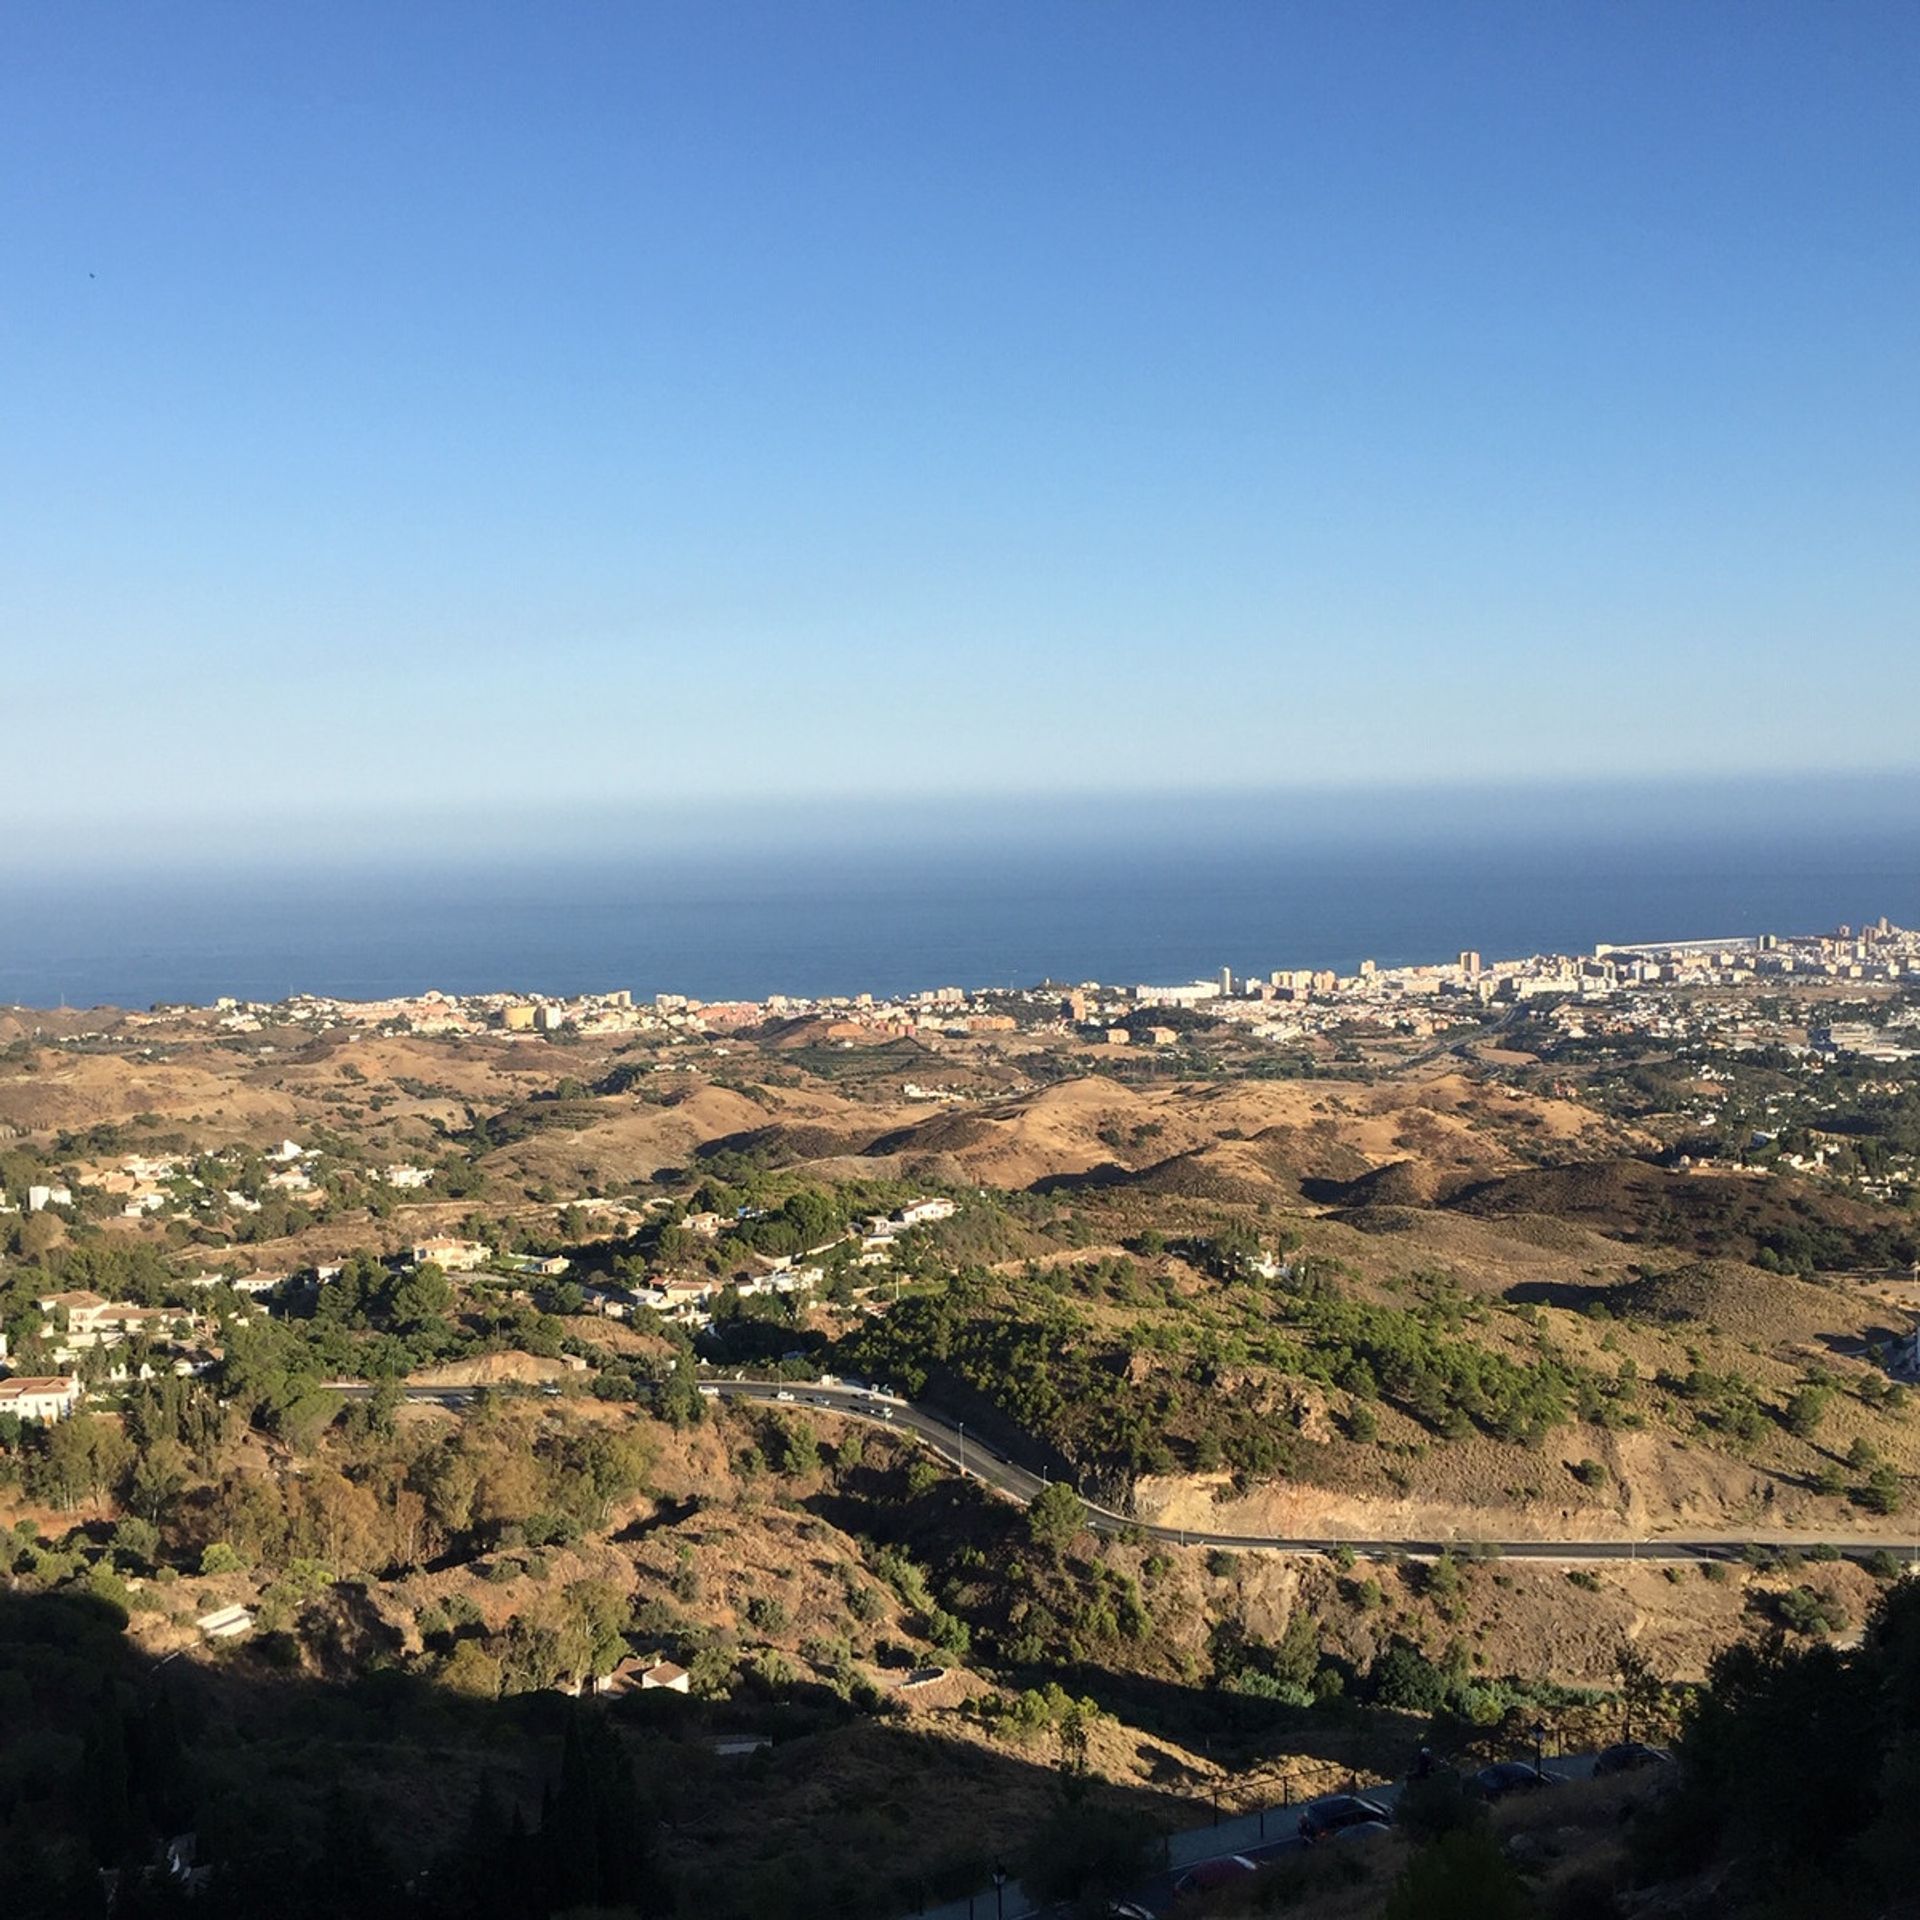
(972, 1456)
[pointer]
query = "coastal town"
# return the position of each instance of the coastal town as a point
(1842, 999)
(1279, 1006)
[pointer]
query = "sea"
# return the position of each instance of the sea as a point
(742, 922)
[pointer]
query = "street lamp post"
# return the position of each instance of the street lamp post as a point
(1539, 1732)
(999, 1891)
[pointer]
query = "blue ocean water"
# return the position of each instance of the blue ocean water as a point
(745, 924)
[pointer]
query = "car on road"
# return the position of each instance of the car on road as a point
(1629, 1756)
(1511, 1776)
(783, 1394)
(1322, 1819)
(1206, 1875)
(1128, 1910)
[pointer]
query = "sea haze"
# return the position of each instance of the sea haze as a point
(738, 923)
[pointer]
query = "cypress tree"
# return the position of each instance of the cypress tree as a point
(105, 1783)
(575, 1826)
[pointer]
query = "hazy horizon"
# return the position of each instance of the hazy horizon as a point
(1379, 815)
(1127, 893)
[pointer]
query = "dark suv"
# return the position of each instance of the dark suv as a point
(1511, 1776)
(1339, 1812)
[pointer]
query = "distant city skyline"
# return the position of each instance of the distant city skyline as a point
(419, 419)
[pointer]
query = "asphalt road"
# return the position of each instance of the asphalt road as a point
(952, 1443)
(967, 1452)
(455, 1397)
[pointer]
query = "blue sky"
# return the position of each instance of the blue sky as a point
(420, 414)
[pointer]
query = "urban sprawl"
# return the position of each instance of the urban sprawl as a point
(1740, 994)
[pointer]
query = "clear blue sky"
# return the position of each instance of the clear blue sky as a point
(457, 408)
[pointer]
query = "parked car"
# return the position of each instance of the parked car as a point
(1512, 1776)
(1365, 1830)
(1324, 1818)
(1630, 1756)
(1205, 1875)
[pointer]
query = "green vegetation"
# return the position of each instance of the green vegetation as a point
(1798, 1759)
(1046, 1364)
(1139, 1281)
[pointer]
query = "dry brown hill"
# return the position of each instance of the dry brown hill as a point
(1746, 1304)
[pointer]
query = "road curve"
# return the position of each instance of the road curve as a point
(949, 1440)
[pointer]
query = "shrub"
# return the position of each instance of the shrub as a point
(1404, 1677)
(1806, 1409)
(1805, 1611)
(773, 1670)
(1462, 1876)
(1881, 1492)
(949, 1633)
(471, 1670)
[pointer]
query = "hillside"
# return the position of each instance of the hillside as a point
(1440, 1306)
